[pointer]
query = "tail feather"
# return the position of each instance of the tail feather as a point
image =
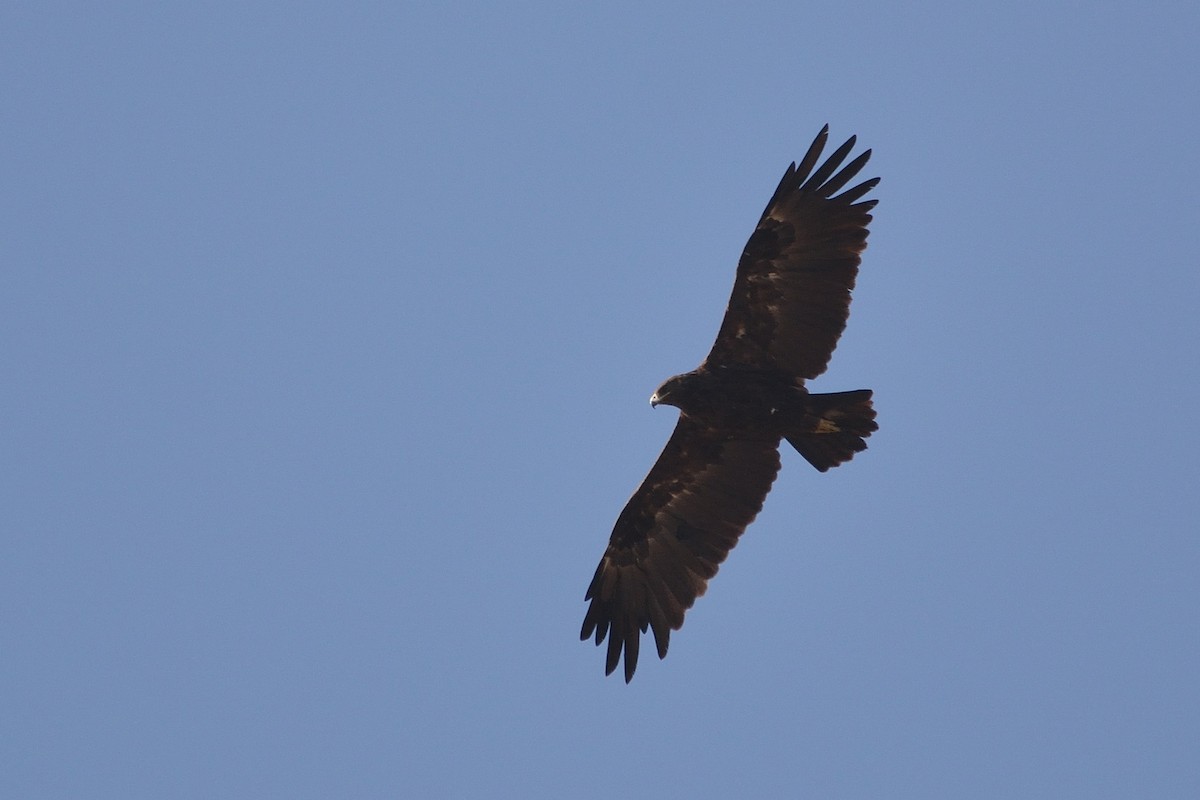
(843, 420)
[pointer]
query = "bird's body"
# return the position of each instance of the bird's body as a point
(789, 305)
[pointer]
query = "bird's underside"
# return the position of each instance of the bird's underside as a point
(789, 305)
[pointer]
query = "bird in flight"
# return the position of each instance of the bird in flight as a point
(790, 301)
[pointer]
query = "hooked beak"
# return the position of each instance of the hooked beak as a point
(654, 400)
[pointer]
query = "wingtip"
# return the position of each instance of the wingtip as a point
(614, 655)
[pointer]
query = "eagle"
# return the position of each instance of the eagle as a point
(790, 302)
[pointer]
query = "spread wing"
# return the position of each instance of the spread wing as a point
(673, 533)
(791, 296)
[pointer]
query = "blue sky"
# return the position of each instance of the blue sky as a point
(327, 334)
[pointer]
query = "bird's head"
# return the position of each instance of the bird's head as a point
(670, 393)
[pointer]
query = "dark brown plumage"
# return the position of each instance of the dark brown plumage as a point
(789, 305)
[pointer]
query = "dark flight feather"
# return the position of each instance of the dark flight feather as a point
(680, 524)
(789, 305)
(791, 297)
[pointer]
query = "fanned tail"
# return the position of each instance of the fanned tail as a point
(843, 422)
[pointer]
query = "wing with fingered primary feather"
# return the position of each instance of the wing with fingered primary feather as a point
(673, 534)
(791, 296)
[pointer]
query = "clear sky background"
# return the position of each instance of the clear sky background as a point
(327, 333)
